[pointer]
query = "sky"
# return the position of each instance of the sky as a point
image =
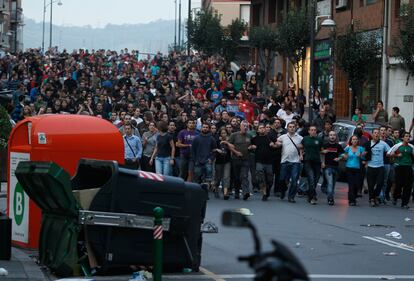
(98, 13)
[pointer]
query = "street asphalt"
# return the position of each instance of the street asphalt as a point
(333, 242)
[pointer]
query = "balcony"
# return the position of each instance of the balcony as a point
(16, 17)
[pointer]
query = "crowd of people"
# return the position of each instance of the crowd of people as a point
(175, 119)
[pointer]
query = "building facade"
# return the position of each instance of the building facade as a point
(229, 9)
(11, 26)
(378, 17)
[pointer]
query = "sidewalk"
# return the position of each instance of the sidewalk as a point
(21, 267)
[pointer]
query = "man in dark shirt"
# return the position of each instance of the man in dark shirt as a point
(276, 131)
(331, 154)
(263, 158)
(70, 84)
(242, 72)
(202, 150)
(312, 146)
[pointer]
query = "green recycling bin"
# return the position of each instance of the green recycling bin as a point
(49, 186)
(102, 218)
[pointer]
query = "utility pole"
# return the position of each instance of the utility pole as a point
(51, 13)
(175, 26)
(179, 24)
(43, 33)
(15, 28)
(188, 30)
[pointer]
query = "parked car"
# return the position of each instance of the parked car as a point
(344, 131)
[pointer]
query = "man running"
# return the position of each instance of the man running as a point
(312, 146)
(263, 158)
(292, 154)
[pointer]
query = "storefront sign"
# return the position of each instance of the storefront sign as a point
(323, 50)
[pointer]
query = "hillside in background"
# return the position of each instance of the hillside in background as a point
(150, 37)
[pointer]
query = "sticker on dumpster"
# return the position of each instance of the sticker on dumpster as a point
(19, 201)
(41, 138)
(150, 176)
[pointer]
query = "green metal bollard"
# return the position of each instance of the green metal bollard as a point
(158, 216)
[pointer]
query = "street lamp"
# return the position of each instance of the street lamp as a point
(328, 22)
(59, 2)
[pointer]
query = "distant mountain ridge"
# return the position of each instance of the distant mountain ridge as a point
(150, 37)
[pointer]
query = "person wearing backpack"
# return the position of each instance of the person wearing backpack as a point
(376, 151)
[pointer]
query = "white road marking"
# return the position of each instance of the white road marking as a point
(390, 243)
(210, 274)
(382, 277)
(312, 276)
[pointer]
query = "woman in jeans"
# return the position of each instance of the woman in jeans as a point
(223, 166)
(353, 155)
(403, 152)
(164, 151)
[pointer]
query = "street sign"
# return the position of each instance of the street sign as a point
(408, 98)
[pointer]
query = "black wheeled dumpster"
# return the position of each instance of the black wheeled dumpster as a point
(105, 212)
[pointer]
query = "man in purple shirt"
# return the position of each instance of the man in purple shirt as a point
(184, 140)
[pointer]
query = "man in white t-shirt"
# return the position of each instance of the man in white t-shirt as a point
(286, 114)
(292, 154)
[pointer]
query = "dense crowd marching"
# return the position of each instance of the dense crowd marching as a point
(175, 119)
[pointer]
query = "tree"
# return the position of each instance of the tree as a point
(294, 37)
(5, 127)
(232, 35)
(356, 53)
(205, 32)
(404, 49)
(265, 40)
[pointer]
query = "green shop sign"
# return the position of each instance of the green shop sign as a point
(322, 50)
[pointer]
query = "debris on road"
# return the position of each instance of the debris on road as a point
(394, 235)
(140, 276)
(3, 272)
(297, 245)
(209, 227)
(407, 219)
(389, 253)
(349, 244)
(377, 225)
